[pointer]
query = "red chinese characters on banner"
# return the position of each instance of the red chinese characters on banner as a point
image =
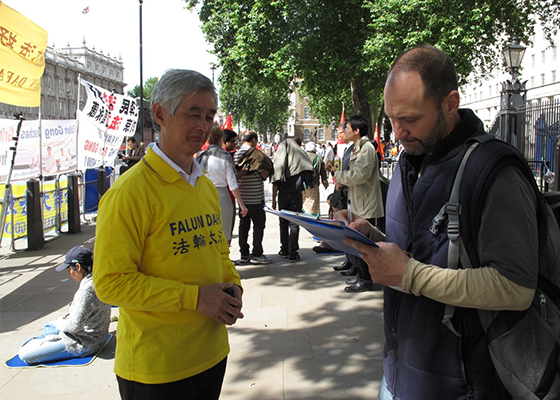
(110, 111)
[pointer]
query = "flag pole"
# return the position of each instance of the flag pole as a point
(7, 199)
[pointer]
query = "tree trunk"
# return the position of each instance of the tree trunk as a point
(360, 102)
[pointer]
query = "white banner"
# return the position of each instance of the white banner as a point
(95, 147)
(7, 132)
(26, 164)
(113, 112)
(105, 121)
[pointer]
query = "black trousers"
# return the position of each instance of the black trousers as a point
(205, 386)
(257, 215)
(289, 231)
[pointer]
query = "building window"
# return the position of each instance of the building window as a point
(306, 134)
(321, 135)
(554, 53)
(50, 82)
(553, 76)
(532, 81)
(60, 85)
(306, 113)
(497, 89)
(544, 56)
(489, 91)
(542, 79)
(532, 60)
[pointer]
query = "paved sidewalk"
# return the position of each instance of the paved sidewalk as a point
(302, 337)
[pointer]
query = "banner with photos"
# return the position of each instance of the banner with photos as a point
(58, 146)
(26, 163)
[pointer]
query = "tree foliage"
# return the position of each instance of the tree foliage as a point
(264, 109)
(148, 89)
(341, 50)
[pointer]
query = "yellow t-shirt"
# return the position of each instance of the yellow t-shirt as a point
(158, 239)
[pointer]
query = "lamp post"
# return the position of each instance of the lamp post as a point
(513, 97)
(141, 113)
(213, 67)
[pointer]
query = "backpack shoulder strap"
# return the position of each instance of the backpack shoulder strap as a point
(451, 211)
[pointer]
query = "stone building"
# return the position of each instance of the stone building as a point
(303, 124)
(539, 69)
(59, 84)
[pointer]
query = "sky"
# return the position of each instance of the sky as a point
(171, 35)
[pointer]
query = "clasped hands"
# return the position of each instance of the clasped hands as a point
(218, 305)
(387, 262)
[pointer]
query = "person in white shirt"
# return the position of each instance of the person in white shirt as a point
(219, 167)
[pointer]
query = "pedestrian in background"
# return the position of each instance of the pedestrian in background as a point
(311, 194)
(219, 167)
(253, 167)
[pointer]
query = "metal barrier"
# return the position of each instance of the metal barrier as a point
(388, 167)
(43, 210)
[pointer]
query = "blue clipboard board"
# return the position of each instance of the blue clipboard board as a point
(330, 231)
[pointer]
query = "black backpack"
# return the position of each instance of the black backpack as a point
(524, 346)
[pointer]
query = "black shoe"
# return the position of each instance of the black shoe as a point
(351, 272)
(359, 287)
(345, 266)
(351, 281)
(283, 254)
(321, 249)
(294, 257)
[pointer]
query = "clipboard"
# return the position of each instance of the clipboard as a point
(330, 231)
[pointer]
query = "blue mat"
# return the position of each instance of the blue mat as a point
(15, 361)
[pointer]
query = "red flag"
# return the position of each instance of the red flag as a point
(340, 130)
(229, 123)
(376, 137)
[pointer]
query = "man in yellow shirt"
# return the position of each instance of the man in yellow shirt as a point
(163, 258)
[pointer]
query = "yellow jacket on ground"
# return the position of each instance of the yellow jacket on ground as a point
(158, 239)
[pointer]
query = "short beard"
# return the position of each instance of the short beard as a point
(438, 132)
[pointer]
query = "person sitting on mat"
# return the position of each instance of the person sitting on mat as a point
(83, 331)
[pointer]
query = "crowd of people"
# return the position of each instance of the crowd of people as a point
(164, 230)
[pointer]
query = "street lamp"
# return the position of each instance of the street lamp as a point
(513, 97)
(513, 54)
(213, 68)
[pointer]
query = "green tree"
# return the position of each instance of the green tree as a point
(342, 49)
(148, 89)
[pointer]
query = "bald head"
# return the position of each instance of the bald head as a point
(434, 67)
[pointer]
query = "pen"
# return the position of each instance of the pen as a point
(349, 212)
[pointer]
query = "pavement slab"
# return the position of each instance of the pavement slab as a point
(302, 337)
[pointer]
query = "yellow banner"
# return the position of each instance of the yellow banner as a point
(54, 206)
(22, 55)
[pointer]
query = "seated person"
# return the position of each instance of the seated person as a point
(83, 331)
